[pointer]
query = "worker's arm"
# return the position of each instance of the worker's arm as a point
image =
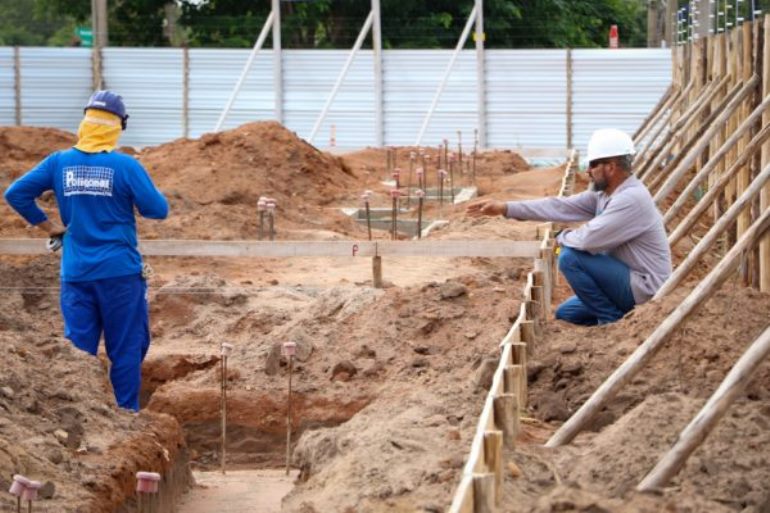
(149, 201)
(22, 193)
(622, 220)
(580, 207)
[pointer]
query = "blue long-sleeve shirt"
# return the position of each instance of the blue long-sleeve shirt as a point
(626, 225)
(96, 194)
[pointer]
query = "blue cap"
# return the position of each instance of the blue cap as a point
(109, 102)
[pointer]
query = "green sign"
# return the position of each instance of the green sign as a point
(86, 36)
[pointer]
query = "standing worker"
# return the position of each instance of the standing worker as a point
(621, 256)
(102, 286)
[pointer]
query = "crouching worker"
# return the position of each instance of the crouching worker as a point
(620, 256)
(102, 287)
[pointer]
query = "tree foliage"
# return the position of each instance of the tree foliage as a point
(330, 23)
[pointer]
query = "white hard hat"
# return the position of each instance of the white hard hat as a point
(609, 142)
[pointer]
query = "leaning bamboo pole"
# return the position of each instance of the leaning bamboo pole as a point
(718, 188)
(708, 417)
(658, 338)
(685, 165)
(730, 216)
(717, 158)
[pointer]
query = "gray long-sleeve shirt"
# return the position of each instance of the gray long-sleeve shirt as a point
(626, 225)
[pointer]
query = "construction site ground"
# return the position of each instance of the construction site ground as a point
(388, 383)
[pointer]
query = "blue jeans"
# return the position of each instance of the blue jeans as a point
(602, 286)
(118, 308)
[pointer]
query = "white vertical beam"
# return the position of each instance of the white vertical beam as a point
(254, 51)
(442, 85)
(379, 119)
(481, 79)
(277, 61)
(343, 73)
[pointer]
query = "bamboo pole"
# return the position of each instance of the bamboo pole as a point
(655, 341)
(673, 180)
(729, 144)
(688, 222)
(680, 129)
(699, 428)
(719, 227)
(681, 152)
(653, 113)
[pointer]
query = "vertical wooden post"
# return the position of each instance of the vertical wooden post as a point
(185, 91)
(484, 493)
(764, 200)
(744, 175)
(519, 353)
(17, 84)
(569, 98)
(493, 455)
(377, 272)
(506, 414)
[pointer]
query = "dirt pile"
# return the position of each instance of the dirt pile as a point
(58, 421)
(23, 147)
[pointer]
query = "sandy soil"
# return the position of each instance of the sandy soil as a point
(388, 383)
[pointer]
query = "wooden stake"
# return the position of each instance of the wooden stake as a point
(377, 272)
(655, 341)
(484, 493)
(493, 455)
(708, 417)
(506, 409)
(764, 200)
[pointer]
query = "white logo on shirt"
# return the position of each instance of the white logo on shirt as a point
(89, 180)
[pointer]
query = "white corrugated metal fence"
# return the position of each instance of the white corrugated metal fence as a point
(526, 92)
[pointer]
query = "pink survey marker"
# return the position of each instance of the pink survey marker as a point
(147, 482)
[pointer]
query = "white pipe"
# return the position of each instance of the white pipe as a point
(343, 73)
(442, 85)
(481, 74)
(379, 124)
(277, 62)
(245, 71)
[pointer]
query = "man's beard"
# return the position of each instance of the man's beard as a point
(599, 185)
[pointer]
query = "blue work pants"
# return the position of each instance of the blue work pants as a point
(602, 286)
(118, 308)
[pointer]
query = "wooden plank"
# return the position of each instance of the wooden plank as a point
(274, 249)
(722, 224)
(707, 418)
(644, 352)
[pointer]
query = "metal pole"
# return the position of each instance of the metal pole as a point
(341, 77)
(379, 121)
(186, 91)
(17, 83)
(277, 61)
(245, 71)
(481, 81)
(445, 79)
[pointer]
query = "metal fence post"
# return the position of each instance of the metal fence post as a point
(17, 84)
(570, 128)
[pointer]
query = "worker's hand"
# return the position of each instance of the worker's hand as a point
(486, 208)
(52, 228)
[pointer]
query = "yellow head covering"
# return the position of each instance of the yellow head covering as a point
(99, 131)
